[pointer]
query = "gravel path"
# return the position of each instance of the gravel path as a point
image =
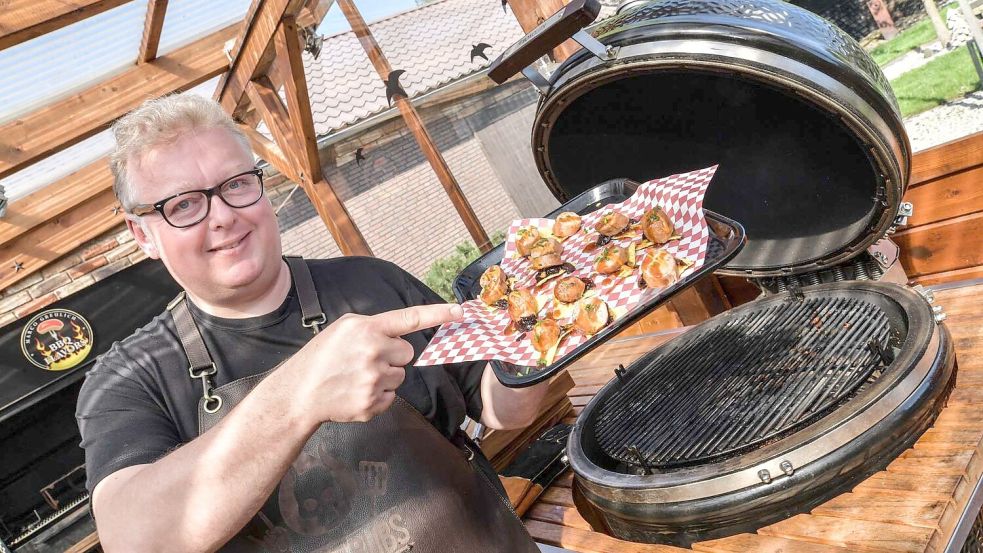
(947, 122)
(913, 60)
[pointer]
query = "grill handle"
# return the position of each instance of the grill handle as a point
(568, 22)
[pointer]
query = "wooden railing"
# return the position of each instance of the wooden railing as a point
(943, 242)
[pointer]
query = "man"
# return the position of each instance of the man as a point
(327, 450)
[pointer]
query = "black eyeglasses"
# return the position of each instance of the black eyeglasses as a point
(190, 208)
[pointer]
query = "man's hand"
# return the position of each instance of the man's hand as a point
(351, 369)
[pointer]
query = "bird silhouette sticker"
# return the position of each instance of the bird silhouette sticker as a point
(478, 51)
(393, 87)
(359, 158)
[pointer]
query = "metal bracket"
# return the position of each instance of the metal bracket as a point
(937, 313)
(905, 210)
(595, 46)
(924, 292)
(537, 79)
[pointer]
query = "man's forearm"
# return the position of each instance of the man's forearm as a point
(505, 407)
(198, 496)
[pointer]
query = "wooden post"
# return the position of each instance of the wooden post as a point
(415, 124)
(530, 13)
(882, 16)
(298, 140)
(974, 29)
(940, 29)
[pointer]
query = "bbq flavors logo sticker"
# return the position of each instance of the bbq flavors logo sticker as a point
(56, 340)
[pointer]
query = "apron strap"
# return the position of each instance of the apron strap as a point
(310, 307)
(200, 361)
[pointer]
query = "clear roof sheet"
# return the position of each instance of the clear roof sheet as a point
(47, 68)
(187, 20)
(57, 166)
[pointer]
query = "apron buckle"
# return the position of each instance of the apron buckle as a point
(315, 322)
(212, 402)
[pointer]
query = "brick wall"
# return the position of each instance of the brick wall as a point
(94, 261)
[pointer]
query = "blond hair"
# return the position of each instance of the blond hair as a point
(160, 122)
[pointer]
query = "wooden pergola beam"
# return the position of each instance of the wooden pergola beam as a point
(304, 143)
(262, 96)
(43, 132)
(268, 150)
(156, 10)
(254, 51)
(62, 234)
(22, 20)
(417, 128)
(51, 202)
(314, 12)
(291, 66)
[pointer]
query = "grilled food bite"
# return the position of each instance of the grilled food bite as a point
(523, 308)
(592, 315)
(525, 237)
(569, 289)
(657, 226)
(566, 224)
(545, 253)
(612, 223)
(659, 270)
(545, 334)
(494, 285)
(611, 260)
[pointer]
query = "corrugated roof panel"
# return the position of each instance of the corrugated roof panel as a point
(187, 20)
(72, 58)
(57, 166)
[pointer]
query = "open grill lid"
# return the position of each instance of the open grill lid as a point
(813, 155)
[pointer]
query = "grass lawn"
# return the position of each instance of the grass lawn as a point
(945, 78)
(920, 33)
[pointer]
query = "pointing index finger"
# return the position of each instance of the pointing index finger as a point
(401, 322)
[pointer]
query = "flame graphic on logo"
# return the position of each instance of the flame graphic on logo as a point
(79, 335)
(40, 347)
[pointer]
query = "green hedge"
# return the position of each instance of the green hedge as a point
(440, 276)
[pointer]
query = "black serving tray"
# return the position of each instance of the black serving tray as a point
(726, 240)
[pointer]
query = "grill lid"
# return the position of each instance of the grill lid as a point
(813, 156)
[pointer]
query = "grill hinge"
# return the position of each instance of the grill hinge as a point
(937, 313)
(905, 210)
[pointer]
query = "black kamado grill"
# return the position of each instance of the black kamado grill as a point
(779, 404)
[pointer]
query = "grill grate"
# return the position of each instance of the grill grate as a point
(767, 374)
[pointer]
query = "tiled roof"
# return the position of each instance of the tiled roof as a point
(431, 43)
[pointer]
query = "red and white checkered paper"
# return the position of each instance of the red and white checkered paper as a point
(480, 335)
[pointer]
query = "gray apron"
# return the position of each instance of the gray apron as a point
(393, 484)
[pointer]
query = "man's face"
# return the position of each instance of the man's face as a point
(234, 253)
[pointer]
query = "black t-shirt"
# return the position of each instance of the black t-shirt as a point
(138, 401)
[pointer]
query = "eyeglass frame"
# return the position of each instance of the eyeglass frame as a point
(158, 207)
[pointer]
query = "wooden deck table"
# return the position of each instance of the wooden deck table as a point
(911, 506)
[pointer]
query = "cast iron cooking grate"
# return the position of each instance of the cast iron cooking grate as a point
(765, 375)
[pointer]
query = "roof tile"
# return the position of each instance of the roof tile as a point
(431, 43)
